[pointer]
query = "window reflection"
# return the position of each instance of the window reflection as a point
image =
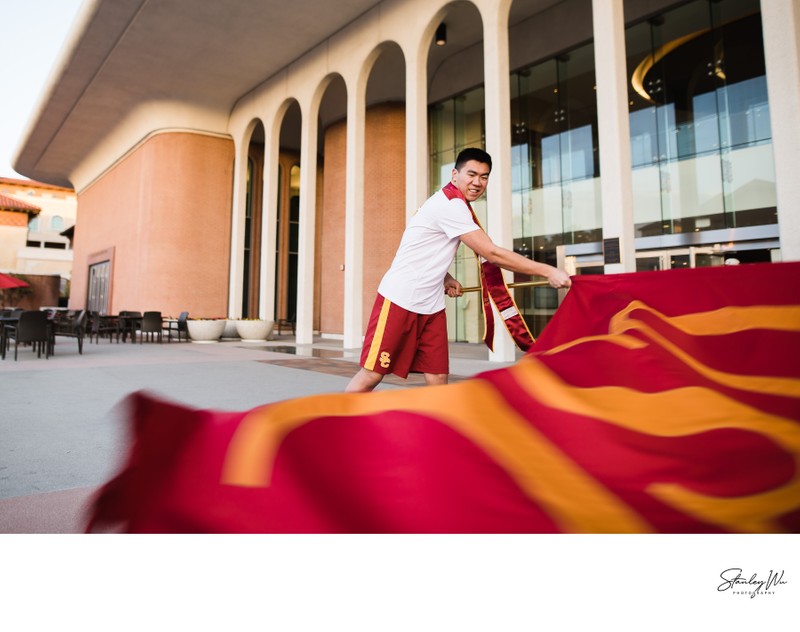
(554, 154)
(700, 128)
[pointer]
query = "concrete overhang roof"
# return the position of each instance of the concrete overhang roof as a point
(123, 54)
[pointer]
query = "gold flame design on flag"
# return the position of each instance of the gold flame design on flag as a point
(476, 410)
(714, 323)
(572, 497)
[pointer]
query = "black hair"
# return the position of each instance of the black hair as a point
(473, 153)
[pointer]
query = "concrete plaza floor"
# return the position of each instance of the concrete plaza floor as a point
(61, 429)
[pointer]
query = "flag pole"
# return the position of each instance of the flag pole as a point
(477, 288)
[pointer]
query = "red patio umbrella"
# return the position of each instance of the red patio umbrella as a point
(7, 281)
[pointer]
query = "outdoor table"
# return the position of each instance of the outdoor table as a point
(129, 323)
(10, 320)
(171, 325)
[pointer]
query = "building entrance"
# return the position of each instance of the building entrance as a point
(692, 257)
(671, 258)
(99, 282)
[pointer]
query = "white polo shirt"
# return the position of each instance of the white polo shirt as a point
(415, 280)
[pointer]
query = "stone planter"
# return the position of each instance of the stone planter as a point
(230, 333)
(205, 331)
(254, 330)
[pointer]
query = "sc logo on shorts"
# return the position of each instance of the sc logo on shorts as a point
(385, 359)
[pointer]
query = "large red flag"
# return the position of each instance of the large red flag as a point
(652, 402)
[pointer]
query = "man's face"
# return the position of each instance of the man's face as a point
(472, 179)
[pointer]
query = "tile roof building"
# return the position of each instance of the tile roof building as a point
(33, 216)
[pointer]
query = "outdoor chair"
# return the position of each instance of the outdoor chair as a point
(32, 328)
(152, 324)
(74, 327)
(10, 317)
(286, 322)
(178, 326)
(101, 326)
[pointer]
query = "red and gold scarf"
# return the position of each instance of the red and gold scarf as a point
(494, 290)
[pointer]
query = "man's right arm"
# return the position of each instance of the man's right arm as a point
(507, 259)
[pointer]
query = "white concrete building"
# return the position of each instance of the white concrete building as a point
(202, 137)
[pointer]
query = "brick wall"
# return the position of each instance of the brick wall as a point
(331, 244)
(165, 213)
(384, 208)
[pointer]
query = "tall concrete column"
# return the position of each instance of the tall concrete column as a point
(416, 128)
(781, 24)
(498, 144)
(304, 327)
(616, 182)
(354, 213)
(269, 219)
(238, 213)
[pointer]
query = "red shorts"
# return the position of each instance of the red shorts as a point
(403, 342)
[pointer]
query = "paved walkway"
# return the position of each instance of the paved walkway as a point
(61, 434)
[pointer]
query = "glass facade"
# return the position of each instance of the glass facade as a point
(287, 243)
(248, 230)
(700, 130)
(293, 243)
(454, 125)
(555, 167)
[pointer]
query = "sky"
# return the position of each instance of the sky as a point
(34, 32)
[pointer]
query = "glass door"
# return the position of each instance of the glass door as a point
(99, 276)
(692, 257)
